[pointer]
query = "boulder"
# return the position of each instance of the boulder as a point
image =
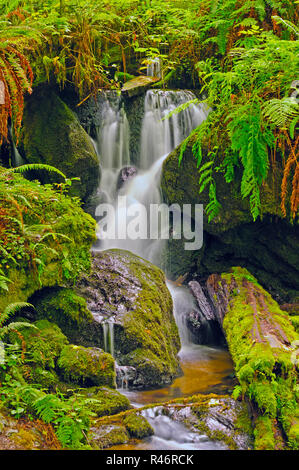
(52, 134)
(138, 85)
(87, 366)
(125, 174)
(130, 293)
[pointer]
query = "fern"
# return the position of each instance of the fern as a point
(251, 143)
(281, 112)
(11, 310)
(38, 167)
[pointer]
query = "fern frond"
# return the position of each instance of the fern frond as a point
(281, 112)
(12, 309)
(38, 167)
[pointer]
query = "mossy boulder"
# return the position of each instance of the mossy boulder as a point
(137, 426)
(69, 311)
(42, 343)
(52, 134)
(87, 366)
(107, 436)
(261, 340)
(104, 401)
(131, 294)
(49, 246)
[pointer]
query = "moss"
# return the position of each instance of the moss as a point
(52, 134)
(43, 344)
(259, 335)
(47, 379)
(137, 426)
(150, 327)
(263, 433)
(25, 439)
(87, 366)
(108, 436)
(47, 238)
(295, 322)
(104, 401)
(65, 308)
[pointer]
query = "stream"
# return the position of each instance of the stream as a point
(205, 369)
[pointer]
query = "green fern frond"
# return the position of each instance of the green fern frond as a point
(12, 309)
(38, 167)
(281, 112)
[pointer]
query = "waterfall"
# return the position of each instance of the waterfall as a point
(153, 68)
(108, 333)
(112, 143)
(158, 138)
(173, 434)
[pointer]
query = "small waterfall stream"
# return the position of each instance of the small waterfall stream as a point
(159, 137)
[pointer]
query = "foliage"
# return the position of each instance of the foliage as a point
(252, 120)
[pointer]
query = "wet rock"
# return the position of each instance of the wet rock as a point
(106, 436)
(87, 366)
(52, 134)
(131, 294)
(125, 174)
(125, 376)
(138, 85)
(220, 418)
(268, 247)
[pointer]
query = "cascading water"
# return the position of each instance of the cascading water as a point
(153, 68)
(159, 137)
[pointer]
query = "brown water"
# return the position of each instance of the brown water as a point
(205, 370)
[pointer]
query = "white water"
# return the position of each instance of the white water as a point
(158, 138)
(174, 435)
(153, 68)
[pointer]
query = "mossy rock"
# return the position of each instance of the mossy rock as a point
(132, 292)
(104, 401)
(69, 311)
(87, 366)
(65, 236)
(107, 436)
(47, 379)
(52, 134)
(43, 343)
(137, 426)
(268, 247)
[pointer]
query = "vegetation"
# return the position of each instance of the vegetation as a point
(242, 58)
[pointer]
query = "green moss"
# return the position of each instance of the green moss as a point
(137, 426)
(87, 366)
(151, 335)
(263, 433)
(43, 344)
(108, 436)
(295, 322)
(65, 308)
(52, 134)
(47, 238)
(104, 401)
(47, 379)
(264, 366)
